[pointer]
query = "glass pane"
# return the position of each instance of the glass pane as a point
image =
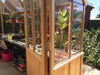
(77, 12)
(37, 7)
(61, 30)
(78, 1)
(29, 24)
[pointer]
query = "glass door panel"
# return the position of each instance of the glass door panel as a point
(37, 17)
(61, 30)
(76, 27)
(29, 18)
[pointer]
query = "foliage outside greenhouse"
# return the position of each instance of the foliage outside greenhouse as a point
(91, 47)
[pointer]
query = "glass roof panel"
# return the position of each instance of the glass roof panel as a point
(16, 3)
(61, 1)
(9, 6)
(78, 1)
(4, 9)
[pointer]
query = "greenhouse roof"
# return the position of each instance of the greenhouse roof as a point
(12, 6)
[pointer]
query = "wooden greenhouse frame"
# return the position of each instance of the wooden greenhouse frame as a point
(9, 13)
(40, 24)
(38, 64)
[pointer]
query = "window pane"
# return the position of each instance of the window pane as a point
(78, 1)
(75, 43)
(29, 24)
(61, 30)
(37, 8)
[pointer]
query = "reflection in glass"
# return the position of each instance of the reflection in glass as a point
(77, 11)
(61, 32)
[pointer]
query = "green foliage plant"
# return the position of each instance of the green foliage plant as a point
(62, 18)
(91, 47)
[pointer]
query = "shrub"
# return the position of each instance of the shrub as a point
(91, 47)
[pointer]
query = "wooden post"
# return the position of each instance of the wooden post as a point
(81, 64)
(43, 35)
(82, 29)
(81, 33)
(2, 26)
(46, 34)
(51, 35)
(25, 23)
(70, 29)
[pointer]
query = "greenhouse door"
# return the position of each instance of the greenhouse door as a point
(64, 57)
(34, 18)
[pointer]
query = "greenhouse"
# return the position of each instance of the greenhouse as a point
(43, 37)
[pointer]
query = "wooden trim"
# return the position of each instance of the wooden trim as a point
(21, 2)
(82, 29)
(81, 63)
(43, 35)
(51, 35)
(4, 13)
(33, 24)
(2, 25)
(84, 2)
(81, 33)
(5, 6)
(26, 31)
(34, 54)
(65, 4)
(70, 29)
(21, 12)
(25, 23)
(68, 61)
(83, 26)
(12, 5)
(46, 26)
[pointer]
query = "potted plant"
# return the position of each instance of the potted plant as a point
(21, 19)
(13, 18)
(62, 18)
(21, 33)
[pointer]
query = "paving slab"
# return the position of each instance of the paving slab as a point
(87, 70)
(8, 69)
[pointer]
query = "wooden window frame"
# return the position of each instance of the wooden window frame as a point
(51, 32)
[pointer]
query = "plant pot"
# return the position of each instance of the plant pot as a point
(13, 20)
